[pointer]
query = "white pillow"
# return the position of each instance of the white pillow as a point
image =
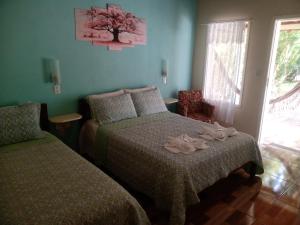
(136, 90)
(90, 99)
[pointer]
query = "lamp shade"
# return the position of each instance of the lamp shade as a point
(55, 71)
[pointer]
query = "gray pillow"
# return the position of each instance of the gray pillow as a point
(19, 123)
(103, 95)
(148, 102)
(112, 109)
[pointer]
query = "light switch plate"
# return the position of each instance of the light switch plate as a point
(57, 89)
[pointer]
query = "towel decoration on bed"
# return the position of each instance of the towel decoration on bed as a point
(217, 132)
(185, 144)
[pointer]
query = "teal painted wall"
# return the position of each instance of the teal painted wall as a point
(35, 29)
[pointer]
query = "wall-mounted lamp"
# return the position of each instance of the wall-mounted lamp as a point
(164, 70)
(54, 70)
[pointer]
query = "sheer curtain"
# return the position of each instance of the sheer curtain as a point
(224, 70)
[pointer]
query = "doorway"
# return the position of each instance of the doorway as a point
(280, 125)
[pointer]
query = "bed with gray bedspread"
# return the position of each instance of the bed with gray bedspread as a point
(43, 182)
(133, 151)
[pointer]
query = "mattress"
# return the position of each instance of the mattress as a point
(133, 151)
(45, 182)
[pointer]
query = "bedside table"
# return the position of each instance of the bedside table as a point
(65, 118)
(171, 104)
(63, 123)
(170, 101)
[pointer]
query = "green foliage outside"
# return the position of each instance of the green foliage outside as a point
(287, 62)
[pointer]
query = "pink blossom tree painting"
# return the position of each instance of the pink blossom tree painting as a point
(111, 26)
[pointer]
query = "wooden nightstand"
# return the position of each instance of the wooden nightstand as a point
(63, 123)
(170, 101)
(171, 104)
(65, 118)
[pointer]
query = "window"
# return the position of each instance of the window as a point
(225, 66)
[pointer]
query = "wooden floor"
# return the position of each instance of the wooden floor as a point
(270, 199)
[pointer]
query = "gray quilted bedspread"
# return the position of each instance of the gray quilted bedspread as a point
(133, 151)
(43, 182)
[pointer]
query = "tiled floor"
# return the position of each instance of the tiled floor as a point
(270, 199)
(282, 128)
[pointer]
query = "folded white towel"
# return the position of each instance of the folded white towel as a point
(216, 131)
(184, 144)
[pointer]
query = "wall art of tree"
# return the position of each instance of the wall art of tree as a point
(110, 26)
(115, 21)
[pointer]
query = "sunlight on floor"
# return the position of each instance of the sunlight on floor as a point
(283, 130)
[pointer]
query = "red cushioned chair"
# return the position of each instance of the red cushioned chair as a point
(192, 104)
